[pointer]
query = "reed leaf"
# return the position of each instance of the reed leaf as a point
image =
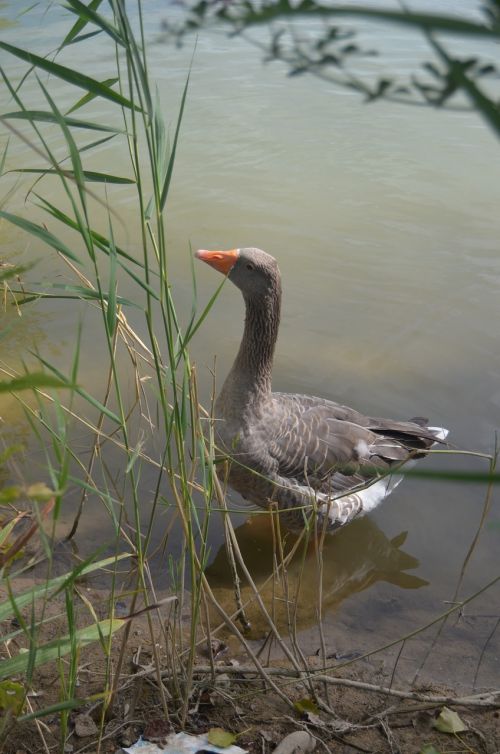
(100, 241)
(53, 709)
(79, 25)
(426, 21)
(34, 381)
(87, 175)
(170, 167)
(44, 116)
(111, 314)
(90, 95)
(8, 273)
(81, 392)
(74, 153)
(51, 587)
(69, 75)
(4, 157)
(41, 233)
(59, 647)
(83, 37)
(89, 14)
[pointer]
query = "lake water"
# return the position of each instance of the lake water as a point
(385, 222)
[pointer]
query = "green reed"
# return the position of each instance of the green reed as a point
(98, 265)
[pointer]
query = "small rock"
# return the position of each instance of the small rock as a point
(223, 681)
(267, 736)
(296, 743)
(121, 608)
(217, 649)
(85, 726)
(127, 737)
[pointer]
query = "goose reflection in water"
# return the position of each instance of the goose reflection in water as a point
(356, 558)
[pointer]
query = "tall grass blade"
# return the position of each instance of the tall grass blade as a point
(88, 14)
(81, 392)
(13, 272)
(73, 149)
(170, 167)
(59, 647)
(90, 96)
(44, 116)
(425, 21)
(71, 76)
(51, 587)
(79, 25)
(41, 233)
(53, 709)
(83, 37)
(99, 240)
(111, 314)
(4, 157)
(87, 175)
(34, 381)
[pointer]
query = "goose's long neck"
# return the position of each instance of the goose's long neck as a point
(248, 384)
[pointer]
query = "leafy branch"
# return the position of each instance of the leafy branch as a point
(328, 48)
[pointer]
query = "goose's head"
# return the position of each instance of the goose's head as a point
(253, 271)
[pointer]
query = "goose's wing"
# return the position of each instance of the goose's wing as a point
(313, 443)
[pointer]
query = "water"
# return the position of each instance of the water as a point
(385, 223)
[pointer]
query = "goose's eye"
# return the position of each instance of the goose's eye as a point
(250, 266)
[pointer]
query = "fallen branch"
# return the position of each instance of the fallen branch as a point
(485, 699)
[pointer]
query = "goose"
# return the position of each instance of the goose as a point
(306, 456)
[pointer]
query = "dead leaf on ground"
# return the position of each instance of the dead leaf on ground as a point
(306, 705)
(449, 722)
(220, 737)
(429, 749)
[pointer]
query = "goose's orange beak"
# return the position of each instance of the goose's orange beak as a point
(223, 261)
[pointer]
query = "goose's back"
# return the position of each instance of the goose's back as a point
(298, 450)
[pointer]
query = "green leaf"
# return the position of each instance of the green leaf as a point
(57, 583)
(71, 76)
(44, 235)
(99, 240)
(306, 705)
(72, 292)
(18, 664)
(39, 492)
(449, 722)
(89, 14)
(10, 494)
(79, 25)
(90, 96)
(31, 381)
(4, 157)
(91, 176)
(6, 531)
(486, 106)
(220, 737)
(170, 167)
(426, 21)
(8, 452)
(428, 749)
(45, 116)
(74, 152)
(14, 271)
(54, 708)
(111, 313)
(87, 396)
(12, 696)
